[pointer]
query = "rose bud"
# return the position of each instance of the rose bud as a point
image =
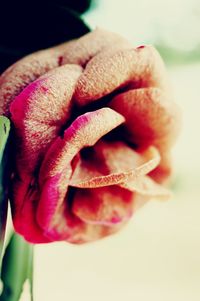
(93, 126)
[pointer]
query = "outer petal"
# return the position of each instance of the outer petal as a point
(78, 231)
(88, 46)
(56, 169)
(22, 73)
(29, 68)
(151, 117)
(141, 67)
(40, 111)
(24, 201)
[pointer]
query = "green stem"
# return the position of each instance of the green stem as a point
(17, 267)
(4, 178)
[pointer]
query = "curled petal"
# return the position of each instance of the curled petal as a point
(140, 67)
(85, 131)
(117, 163)
(56, 169)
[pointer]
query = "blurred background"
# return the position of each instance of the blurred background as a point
(157, 256)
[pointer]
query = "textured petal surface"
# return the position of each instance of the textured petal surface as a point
(145, 186)
(40, 111)
(105, 206)
(141, 67)
(28, 69)
(23, 72)
(56, 169)
(25, 198)
(84, 49)
(112, 163)
(151, 117)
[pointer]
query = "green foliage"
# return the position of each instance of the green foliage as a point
(4, 134)
(17, 267)
(17, 263)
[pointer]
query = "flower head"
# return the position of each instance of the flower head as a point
(94, 122)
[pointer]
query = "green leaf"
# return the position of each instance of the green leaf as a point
(4, 172)
(4, 132)
(17, 267)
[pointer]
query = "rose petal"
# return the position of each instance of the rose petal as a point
(22, 73)
(88, 46)
(151, 117)
(141, 67)
(24, 202)
(78, 231)
(38, 114)
(105, 206)
(55, 172)
(81, 232)
(29, 68)
(109, 205)
(144, 185)
(117, 163)
(162, 173)
(40, 111)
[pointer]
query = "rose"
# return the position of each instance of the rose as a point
(93, 127)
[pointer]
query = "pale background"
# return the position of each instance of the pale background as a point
(157, 256)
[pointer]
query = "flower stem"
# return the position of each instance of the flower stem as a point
(17, 267)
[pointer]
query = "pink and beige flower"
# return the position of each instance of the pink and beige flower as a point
(93, 125)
